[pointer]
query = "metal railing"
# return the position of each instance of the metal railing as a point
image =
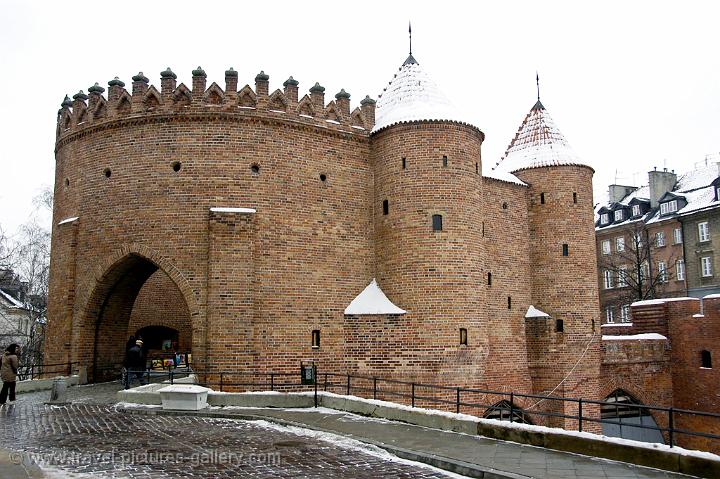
(32, 371)
(460, 399)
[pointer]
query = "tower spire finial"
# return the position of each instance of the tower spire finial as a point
(410, 35)
(537, 81)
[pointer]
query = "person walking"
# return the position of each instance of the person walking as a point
(9, 364)
(136, 364)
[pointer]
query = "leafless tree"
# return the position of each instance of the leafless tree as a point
(639, 271)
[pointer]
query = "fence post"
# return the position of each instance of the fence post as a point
(272, 381)
(457, 400)
(671, 426)
(315, 381)
(412, 395)
(374, 388)
(172, 377)
(69, 370)
(348, 384)
(221, 381)
(512, 402)
(580, 415)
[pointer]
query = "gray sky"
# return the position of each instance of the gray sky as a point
(631, 84)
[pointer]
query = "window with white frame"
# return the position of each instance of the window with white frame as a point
(609, 318)
(620, 244)
(605, 246)
(680, 270)
(625, 313)
(622, 277)
(677, 236)
(636, 210)
(604, 219)
(706, 266)
(704, 231)
(660, 238)
(643, 271)
(637, 241)
(662, 272)
(608, 277)
(668, 207)
(618, 215)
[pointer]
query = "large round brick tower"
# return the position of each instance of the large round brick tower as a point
(427, 216)
(563, 347)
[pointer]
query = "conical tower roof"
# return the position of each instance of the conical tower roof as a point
(412, 96)
(538, 143)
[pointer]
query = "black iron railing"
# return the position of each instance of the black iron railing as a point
(34, 371)
(488, 403)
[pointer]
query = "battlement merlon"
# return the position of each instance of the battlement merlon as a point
(145, 99)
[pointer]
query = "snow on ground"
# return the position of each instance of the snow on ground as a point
(633, 337)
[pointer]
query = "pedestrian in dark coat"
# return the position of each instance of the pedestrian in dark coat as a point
(136, 364)
(8, 373)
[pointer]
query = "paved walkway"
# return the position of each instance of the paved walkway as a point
(79, 437)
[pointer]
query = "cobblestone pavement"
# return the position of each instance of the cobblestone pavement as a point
(95, 438)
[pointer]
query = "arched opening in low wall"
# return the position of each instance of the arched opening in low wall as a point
(133, 296)
(623, 418)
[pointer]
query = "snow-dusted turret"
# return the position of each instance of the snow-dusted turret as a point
(537, 143)
(412, 96)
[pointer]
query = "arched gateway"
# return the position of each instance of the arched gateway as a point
(135, 295)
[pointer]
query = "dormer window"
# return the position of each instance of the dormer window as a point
(604, 219)
(636, 210)
(618, 215)
(668, 207)
(717, 193)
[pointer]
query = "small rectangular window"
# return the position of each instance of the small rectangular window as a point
(618, 215)
(622, 277)
(636, 210)
(705, 359)
(605, 246)
(404, 163)
(489, 279)
(437, 222)
(574, 197)
(559, 326)
(704, 231)
(620, 244)
(625, 313)
(386, 207)
(680, 270)
(706, 266)
(463, 336)
(565, 250)
(677, 236)
(316, 338)
(608, 279)
(660, 239)
(609, 318)
(668, 207)
(542, 198)
(445, 161)
(509, 302)
(477, 168)
(604, 219)
(662, 272)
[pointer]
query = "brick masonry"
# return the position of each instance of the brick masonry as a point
(142, 170)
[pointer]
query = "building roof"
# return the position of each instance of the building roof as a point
(412, 96)
(695, 186)
(538, 143)
(372, 300)
(14, 303)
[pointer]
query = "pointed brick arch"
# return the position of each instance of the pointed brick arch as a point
(305, 107)
(182, 96)
(214, 95)
(152, 99)
(100, 110)
(98, 341)
(332, 113)
(247, 97)
(277, 101)
(124, 105)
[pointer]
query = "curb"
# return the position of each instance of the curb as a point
(440, 462)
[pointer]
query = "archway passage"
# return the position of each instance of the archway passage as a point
(136, 295)
(623, 418)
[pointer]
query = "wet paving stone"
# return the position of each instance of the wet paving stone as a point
(94, 438)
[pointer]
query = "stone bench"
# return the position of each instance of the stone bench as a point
(185, 397)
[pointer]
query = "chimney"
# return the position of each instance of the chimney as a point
(617, 192)
(660, 183)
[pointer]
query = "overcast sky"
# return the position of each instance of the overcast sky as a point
(631, 84)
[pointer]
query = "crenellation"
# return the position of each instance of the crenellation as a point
(174, 98)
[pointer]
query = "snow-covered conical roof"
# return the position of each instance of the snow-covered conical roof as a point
(412, 96)
(538, 143)
(372, 300)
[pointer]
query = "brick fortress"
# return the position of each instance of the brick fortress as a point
(253, 223)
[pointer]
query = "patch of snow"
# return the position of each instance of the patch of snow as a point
(133, 404)
(614, 325)
(349, 444)
(648, 302)
(12, 300)
(634, 337)
(412, 96)
(68, 220)
(234, 210)
(697, 178)
(247, 107)
(533, 312)
(372, 300)
(333, 122)
(277, 111)
(712, 296)
(503, 176)
(358, 127)
(538, 143)
(307, 116)
(698, 316)
(701, 367)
